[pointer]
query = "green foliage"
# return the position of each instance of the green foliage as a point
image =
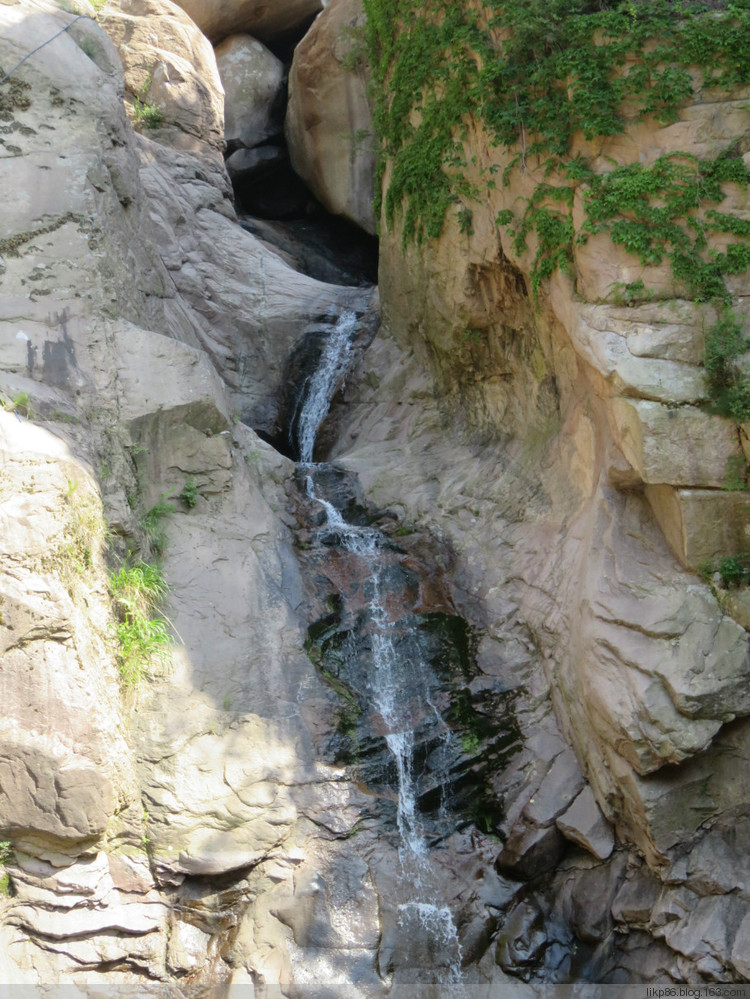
(153, 526)
(6, 851)
(147, 115)
(535, 73)
(190, 494)
(735, 570)
(735, 477)
(728, 383)
(143, 639)
(21, 404)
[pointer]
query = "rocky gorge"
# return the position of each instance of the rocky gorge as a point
(456, 693)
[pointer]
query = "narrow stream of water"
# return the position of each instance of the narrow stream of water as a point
(391, 680)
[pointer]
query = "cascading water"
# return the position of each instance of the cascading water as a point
(319, 388)
(392, 700)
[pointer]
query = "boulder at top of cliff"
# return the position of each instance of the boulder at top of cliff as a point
(170, 73)
(253, 80)
(329, 120)
(219, 18)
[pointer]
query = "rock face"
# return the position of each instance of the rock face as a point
(329, 121)
(118, 324)
(219, 18)
(608, 483)
(546, 475)
(171, 67)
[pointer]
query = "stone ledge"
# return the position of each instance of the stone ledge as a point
(701, 525)
(680, 446)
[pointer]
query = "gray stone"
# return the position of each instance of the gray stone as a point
(636, 898)
(253, 80)
(561, 784)
(584, 824)
(521, 937)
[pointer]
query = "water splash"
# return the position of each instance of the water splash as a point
(320, 387)
(436, 921)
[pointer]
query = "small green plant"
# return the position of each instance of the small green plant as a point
(227, 702)
(734, 570)
(89, 48)
(706, 571)
(470, 743)
(144, 641)
(622, 293)
(465, 217)
(21, 404)
(6, 855)
(728, 382)
(190, 494)
(153, 526)
(735, 477)
(146, 115)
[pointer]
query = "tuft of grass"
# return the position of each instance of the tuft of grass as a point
(83, 537)
(153, 526)
(147, 115)
(21, 404)
(144, 641)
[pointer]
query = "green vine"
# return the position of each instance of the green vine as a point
(536, 73)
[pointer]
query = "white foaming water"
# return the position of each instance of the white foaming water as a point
(334, 361)
(437, 922)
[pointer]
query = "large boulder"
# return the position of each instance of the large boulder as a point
(253, 80)
(329, 120)
(219, 18)
(171, 68)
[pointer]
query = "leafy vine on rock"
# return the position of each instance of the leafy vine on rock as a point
(537, 74)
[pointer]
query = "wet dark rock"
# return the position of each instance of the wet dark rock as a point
(531, 851)
(636, 897)
(591, 901)
(302, 363)
(522, 939)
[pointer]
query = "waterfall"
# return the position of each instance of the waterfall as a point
(385, 681)
(320, 386)
(387, 688)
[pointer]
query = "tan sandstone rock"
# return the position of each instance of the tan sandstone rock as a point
(169, 64)
(219, 18)
(329, 120)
